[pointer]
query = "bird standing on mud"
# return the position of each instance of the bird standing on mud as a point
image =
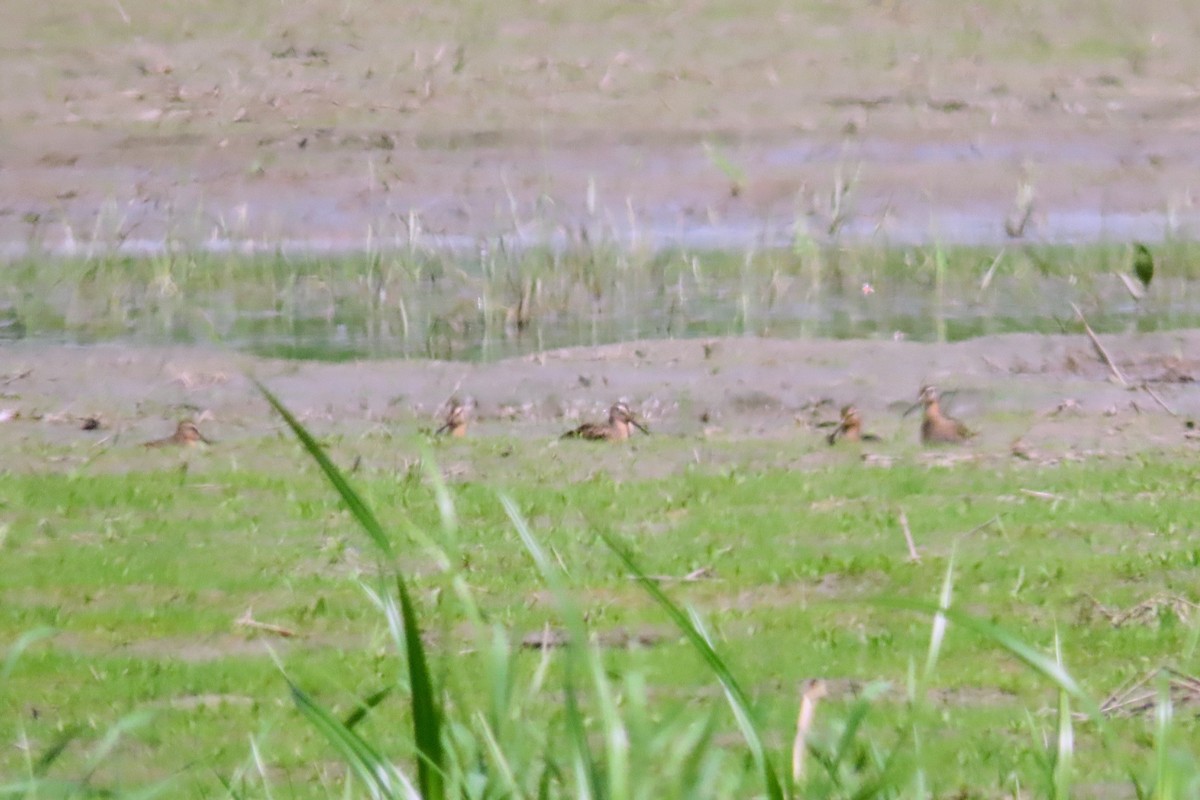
(620, 423)
(456, 421)
(936, 427)
(186, 434)
(850, 428)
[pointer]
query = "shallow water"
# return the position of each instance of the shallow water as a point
(452, 307)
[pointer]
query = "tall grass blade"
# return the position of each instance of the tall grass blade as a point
(738, 701)
(381, 779)
(587, 771)
(361, 511)
(511, 787)
(365, 705)
(23, 642)
(56, 749)
(1164, 711)
(938, 632)
(426, 713)
(1038, 662)
(1065, 750)
(111, 738)
(427, 720)
(261, 767)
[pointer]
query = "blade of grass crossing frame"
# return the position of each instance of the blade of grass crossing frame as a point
(426, 714)
(365, 705)
(22, 644)
(382, 780)
(366, 518)
(1065, 750)
(738, 701)
(587, 771)
(1038, 662)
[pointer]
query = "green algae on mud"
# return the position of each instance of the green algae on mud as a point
(148, 577)
(451, 305)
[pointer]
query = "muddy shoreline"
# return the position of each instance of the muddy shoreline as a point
(1047, 390)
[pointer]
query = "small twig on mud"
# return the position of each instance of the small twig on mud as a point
(698, 574)
(913, 555)
(1100, 351)
(247, 620)
(1041, 495)
(13, 378)
(1153, 394)
(994, 364)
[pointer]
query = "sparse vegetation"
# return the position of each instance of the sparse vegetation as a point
(437, 304)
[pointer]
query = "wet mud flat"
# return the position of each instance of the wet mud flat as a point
(1048, 391)
(224, 127)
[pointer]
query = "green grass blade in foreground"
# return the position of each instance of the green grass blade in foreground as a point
(738, 701)
(427, 720)
(23, 642)
(1065, 750)
(1038, 662)
(938, 631)
(365, 705)
(584, 765)
(381, 778)
(361, 511)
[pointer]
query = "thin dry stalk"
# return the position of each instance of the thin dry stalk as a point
(698, 574)
(247, 620)
(16, 377)
(1141, 695)
(813, 692)
(1146, 611)
(913, 555)
(1099, 348)
(1154, 395)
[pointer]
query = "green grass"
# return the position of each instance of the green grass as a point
(459, 306)
(142, 575)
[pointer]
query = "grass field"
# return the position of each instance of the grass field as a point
(141, 568)
(220, 623)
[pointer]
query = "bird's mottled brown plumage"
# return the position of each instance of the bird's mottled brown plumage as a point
(936, 427)
(456, 421)
(850, 428)
(620, 423)
(186, 434)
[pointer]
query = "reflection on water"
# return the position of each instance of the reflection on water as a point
(484, 308)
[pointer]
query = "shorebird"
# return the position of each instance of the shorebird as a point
(456, 421)
(850, 428)
(620, 420)
(936, 427)
(186, 434)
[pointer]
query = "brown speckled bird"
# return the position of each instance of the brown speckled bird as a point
(456, 421)
(618, 428)
(936, 427)
(186, 434)
(850, 428)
